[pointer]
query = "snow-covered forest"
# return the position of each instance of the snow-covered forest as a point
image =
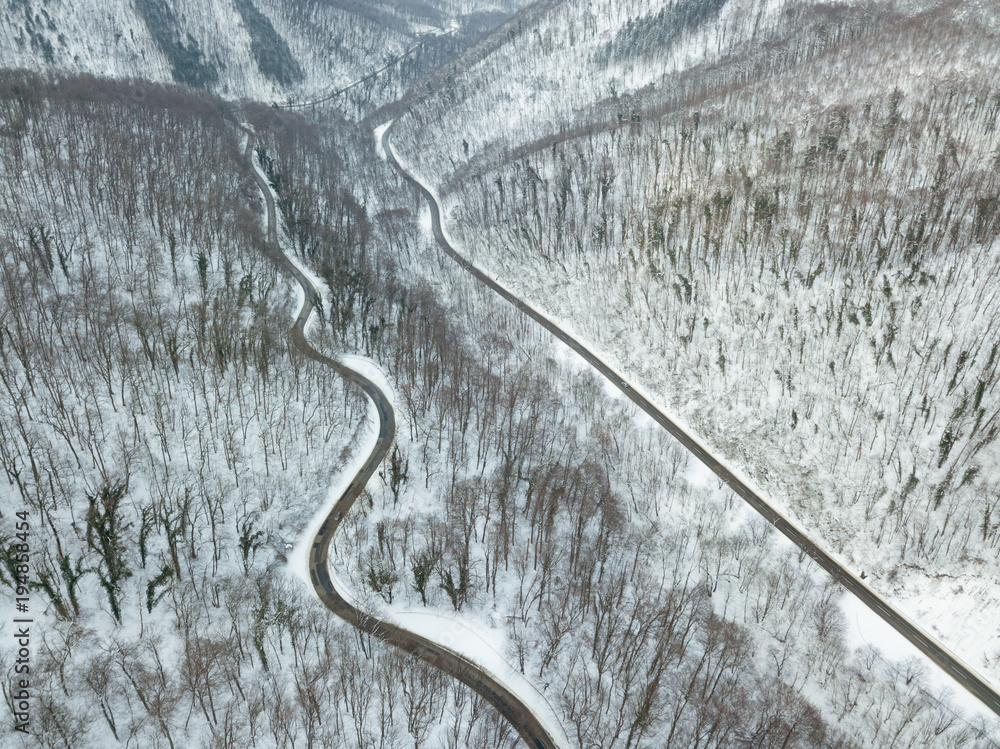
(264, 50)
(813, 266)
(172, 444)
(806, 251)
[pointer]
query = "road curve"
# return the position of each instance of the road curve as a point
(966, 677)
(516, 712)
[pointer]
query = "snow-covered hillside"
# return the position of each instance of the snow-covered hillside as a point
(179, 448)
(604, 60)
(780, 218)
(783, 219)
(265, 50)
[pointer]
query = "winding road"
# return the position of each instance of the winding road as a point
(516, 712)
(966, 677)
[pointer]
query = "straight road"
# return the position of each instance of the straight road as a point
(966, 677)
(516, 712)
(334, 94)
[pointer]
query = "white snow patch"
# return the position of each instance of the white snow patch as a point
(298, 558)
(300, 300)
(470, 639)
(379, 131)
(368, 368)
(425, 223)
(865, 627)
(699, 475)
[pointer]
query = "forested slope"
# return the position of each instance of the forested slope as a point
(167, 445)
(787, 233)
(264, 50)
(170, 447)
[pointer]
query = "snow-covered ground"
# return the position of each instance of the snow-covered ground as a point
(825, 426)
(332, 46)
(867, 629)
(738, 518)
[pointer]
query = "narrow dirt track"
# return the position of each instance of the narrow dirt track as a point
(514, 710)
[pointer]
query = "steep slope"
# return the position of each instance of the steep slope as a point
(609, 61)
(148, 392)
(259, 49)
(178, 443)
(783, 218)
